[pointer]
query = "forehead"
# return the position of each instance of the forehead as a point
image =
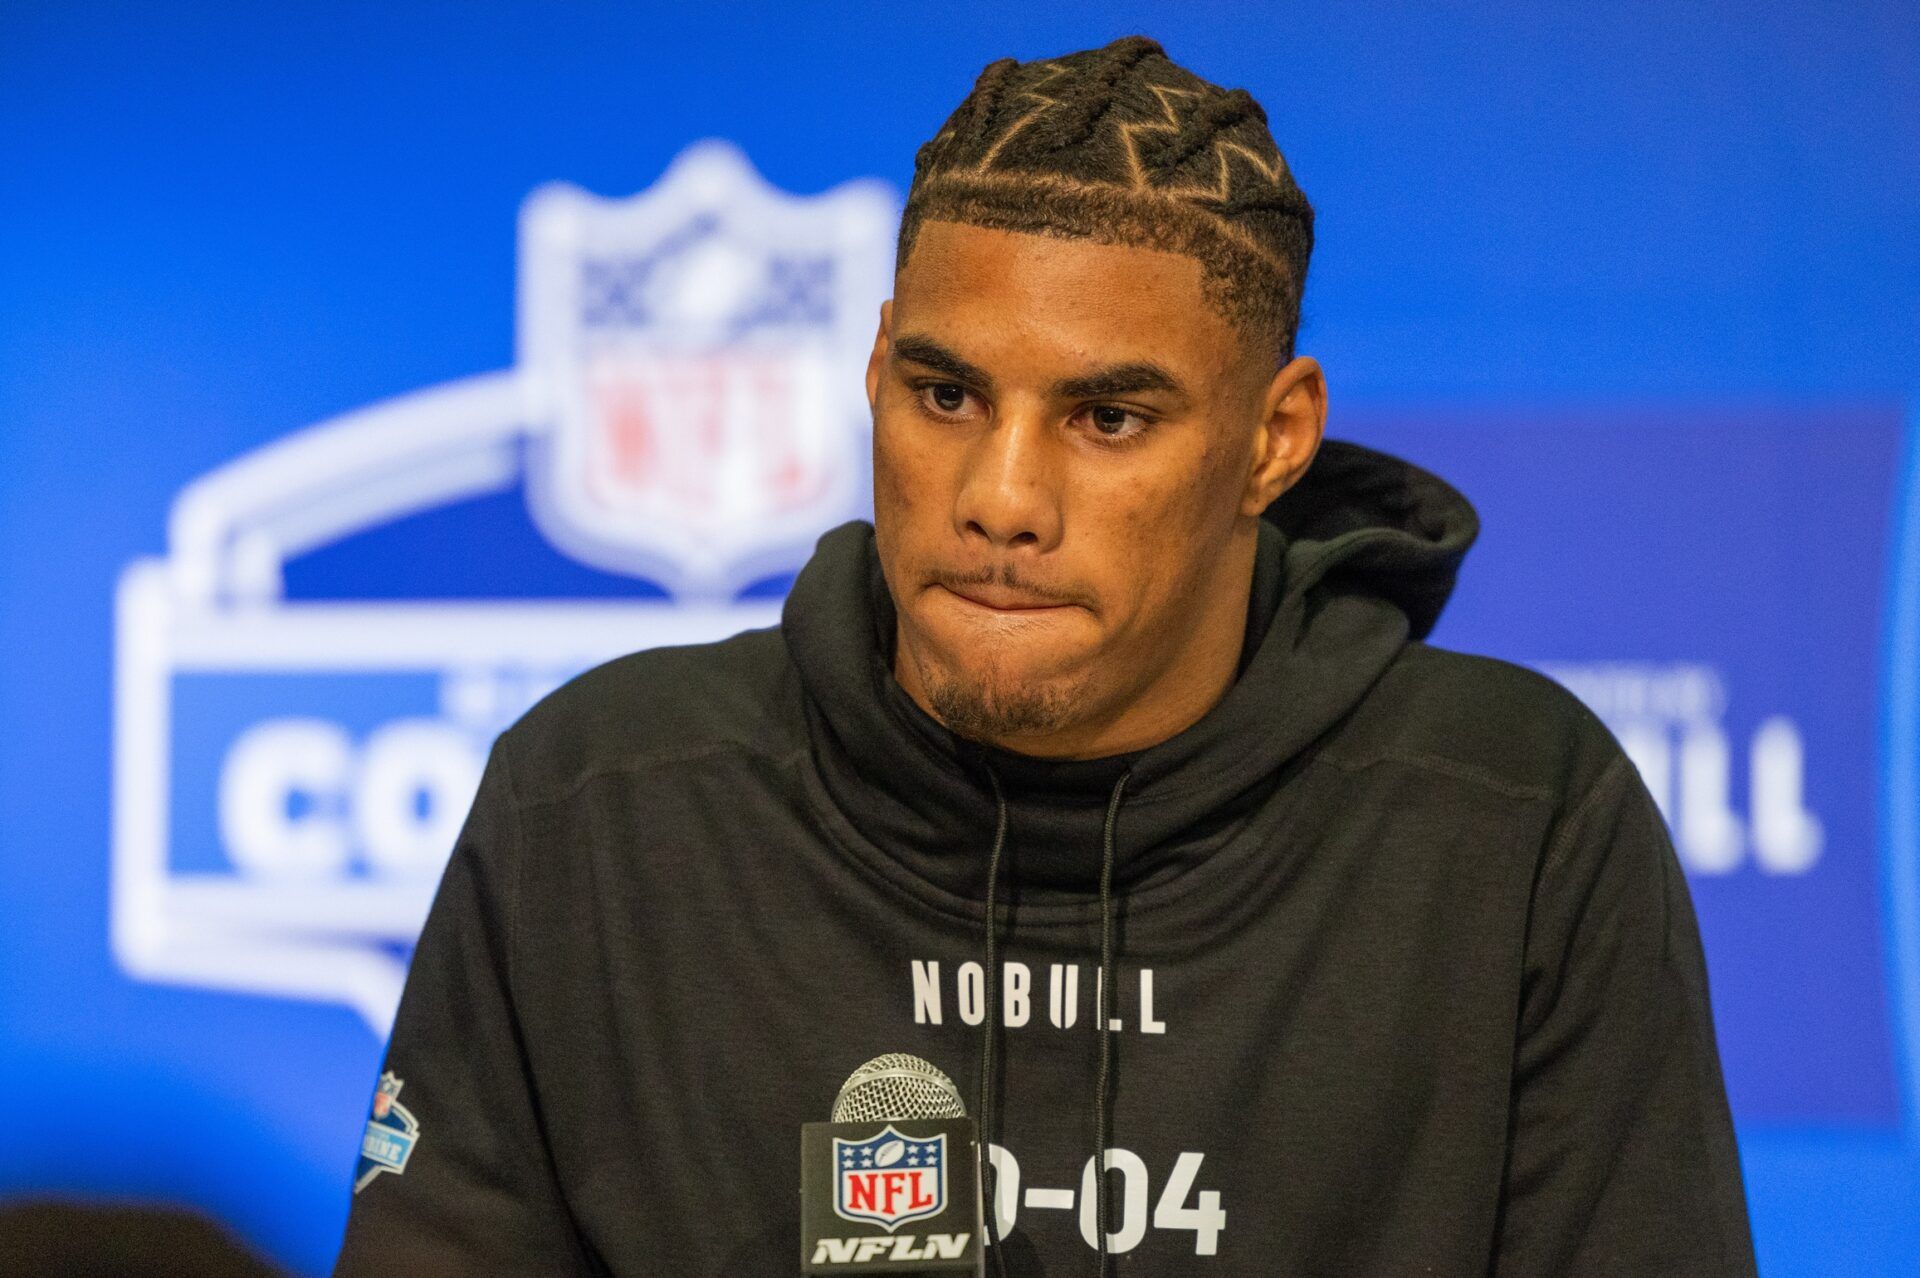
(1058, 299)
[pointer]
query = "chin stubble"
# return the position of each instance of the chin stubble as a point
(990, 707)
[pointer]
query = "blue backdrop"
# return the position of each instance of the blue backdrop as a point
(284, 506)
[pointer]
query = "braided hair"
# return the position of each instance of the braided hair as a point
(1122, 146)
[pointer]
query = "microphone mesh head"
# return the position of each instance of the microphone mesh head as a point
(897, 1086)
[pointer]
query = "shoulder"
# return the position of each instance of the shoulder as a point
(1480, 717)
(655, 706)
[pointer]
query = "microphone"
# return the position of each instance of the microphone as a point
(891, 1185)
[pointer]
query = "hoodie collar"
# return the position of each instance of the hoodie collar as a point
(1355, 560)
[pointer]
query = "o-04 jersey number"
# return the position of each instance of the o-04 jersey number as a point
(1128, 1212)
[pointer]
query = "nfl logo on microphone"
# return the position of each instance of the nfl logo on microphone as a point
(890, 1179)
(897, 1196)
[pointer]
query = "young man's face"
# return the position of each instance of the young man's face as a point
(1071, 446)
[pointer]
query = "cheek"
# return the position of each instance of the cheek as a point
(1202, 509)
(1131, 528)
(1159, 529)
(895, 469)
(910, 477)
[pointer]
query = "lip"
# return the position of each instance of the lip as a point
(1001, 600)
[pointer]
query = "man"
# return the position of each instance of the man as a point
(1106, 769)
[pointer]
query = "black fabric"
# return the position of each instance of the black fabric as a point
(1405, 972)
(53, 1239)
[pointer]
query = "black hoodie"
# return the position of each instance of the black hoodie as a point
(1405, 976)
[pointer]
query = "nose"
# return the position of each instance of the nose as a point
(1009, 492)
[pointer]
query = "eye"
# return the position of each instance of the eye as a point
(1111, 422)
(945, 399)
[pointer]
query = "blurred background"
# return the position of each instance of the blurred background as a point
(367, 369)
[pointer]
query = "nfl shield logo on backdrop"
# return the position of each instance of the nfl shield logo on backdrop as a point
(291, 765)
(890, 1179)
(695, 355)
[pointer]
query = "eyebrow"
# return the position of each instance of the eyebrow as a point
(1124, 378)
(1128, 377)
(930, 354)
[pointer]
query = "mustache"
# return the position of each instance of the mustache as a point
(1004, 575)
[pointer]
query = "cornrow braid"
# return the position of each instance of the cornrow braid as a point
(1121, 145)
(990, 92)
(1076, 123)
(976, 117)
(1211, 118)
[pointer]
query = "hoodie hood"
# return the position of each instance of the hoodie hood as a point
(1352, 563)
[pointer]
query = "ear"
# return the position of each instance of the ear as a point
(879, 355)
(1293, 418)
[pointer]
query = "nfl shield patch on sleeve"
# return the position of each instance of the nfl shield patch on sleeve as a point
(392, 1132)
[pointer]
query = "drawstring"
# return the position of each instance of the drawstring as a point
(1102, 1084)
(992, 983)
(989, 1040)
